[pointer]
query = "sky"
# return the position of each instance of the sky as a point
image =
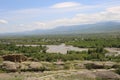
(28, 15)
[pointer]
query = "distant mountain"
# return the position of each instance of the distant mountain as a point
(101, 27)
(88, 28)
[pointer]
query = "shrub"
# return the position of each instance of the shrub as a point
(118, 71)
(93, 66)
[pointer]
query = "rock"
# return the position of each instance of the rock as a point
(110, 64)
(10, 66)
(35, 65)
(24, 67)
(107, 75)
(32, 66)
(79, 66)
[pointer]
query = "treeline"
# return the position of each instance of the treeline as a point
(39, 53)
(79, 40)
(93, 43)
(12, 48)
(73, 55)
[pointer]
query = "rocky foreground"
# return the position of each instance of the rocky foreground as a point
(82, 74)
(73, 70)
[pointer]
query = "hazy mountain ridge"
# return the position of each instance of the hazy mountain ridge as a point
(88, 28)
(101, 27)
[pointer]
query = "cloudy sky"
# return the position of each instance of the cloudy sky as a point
(27, 15)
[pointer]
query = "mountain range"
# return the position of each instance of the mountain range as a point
(101, 27)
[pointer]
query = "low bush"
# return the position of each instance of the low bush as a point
(93, 66)
(118, 71)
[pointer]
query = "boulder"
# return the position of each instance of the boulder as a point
(35, 65)
(9, 66)
(105, 75)
(24, 67)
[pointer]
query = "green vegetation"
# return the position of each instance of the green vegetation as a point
(95, 42)
(39, 53)
(79, 40)
(118, 71)
(94, 58)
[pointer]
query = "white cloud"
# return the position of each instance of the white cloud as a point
(50, 17)
(21, 25)
(65, 5)
(3, 21)
(115, 9)
(56, 9)
(110, 14)
(40, 25)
